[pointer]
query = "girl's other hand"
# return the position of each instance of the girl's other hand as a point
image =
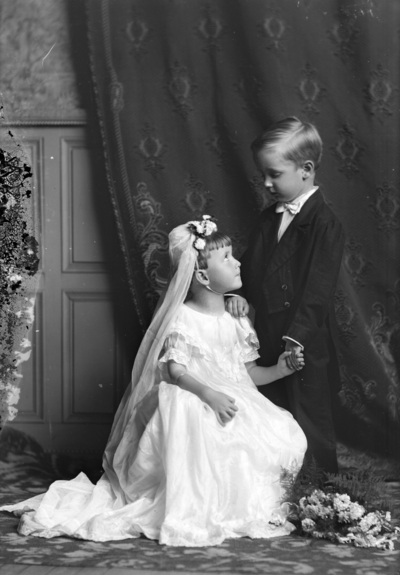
(237, 306)
(286, 365)
(223, 405)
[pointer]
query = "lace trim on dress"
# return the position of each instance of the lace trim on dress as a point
(250, 351)
(251, 356)
(180, 344)
(176, 355)
(183, 346)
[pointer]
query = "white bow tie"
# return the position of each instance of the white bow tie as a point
(291, 207)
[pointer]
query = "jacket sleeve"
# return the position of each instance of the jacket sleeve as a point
(318, 289)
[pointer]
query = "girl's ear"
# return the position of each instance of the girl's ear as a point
(308, 169)
(202, 277)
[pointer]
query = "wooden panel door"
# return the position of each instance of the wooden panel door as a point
(74, 379)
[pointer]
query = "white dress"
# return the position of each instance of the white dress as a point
(193, 481)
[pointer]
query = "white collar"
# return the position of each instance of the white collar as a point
(298, 202)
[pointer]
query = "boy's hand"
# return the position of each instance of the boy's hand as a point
(296, 351)
(284, 365)
(223, 405)
(237, 306)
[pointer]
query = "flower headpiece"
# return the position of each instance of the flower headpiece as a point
(205, 227)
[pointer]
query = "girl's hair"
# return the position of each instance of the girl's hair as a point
(298, 141)
(214, 241)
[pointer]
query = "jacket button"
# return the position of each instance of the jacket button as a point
(286, 304)
(284, 287)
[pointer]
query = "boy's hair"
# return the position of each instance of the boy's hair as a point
(299, 141)
(214, 241)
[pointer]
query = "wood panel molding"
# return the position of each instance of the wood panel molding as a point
(91, 358)
(81, 241)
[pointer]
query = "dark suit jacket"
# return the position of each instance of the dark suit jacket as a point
(294, 280)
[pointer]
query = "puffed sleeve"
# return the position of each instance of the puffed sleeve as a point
(249, 340)
(180, 347)
(176, 347)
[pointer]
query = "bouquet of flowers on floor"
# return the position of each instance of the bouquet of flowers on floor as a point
(336, 517)
(343, 508)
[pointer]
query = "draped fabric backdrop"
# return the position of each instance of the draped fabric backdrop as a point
(184, 86)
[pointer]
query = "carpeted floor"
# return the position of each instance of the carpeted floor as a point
(25, 470)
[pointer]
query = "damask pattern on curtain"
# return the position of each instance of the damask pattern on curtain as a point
(184, 86)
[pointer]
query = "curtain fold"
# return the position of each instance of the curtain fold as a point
(184, 86)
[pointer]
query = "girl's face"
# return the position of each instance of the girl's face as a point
(283, 178)
(223, 270)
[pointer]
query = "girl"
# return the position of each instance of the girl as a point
(195, 452)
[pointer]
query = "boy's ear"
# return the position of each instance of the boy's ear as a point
(202, 277)
(308, 169)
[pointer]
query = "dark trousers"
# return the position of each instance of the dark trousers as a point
(305, 393)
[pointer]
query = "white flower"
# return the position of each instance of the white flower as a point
(326, 512)
(10, 202)
(21, 357)
(12, 412)
(356, 511)
(13, 395)
(199, 244)
(341, 502)
(311, 511)
(303, 502)
(370, 520)
(308, 525)
(14, 278)
(209, 227)
(319, 534)
(343, 539)
(30, 310)
(317, 496)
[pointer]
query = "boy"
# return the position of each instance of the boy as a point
(289, 273)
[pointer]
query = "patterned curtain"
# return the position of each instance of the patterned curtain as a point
(184, 86)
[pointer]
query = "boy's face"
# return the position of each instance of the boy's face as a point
(283, 178)
(223, 270)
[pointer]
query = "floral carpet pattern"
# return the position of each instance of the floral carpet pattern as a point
(25, 471)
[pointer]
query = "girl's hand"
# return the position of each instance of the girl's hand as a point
(237, 306)
(223, 405)
(285, 367)
(296, 351)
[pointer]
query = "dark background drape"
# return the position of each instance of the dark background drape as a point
(181, 89)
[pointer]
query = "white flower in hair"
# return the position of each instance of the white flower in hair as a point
(201, 229)
(199, 244)
(209, 227)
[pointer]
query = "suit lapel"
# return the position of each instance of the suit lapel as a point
(293, 236)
